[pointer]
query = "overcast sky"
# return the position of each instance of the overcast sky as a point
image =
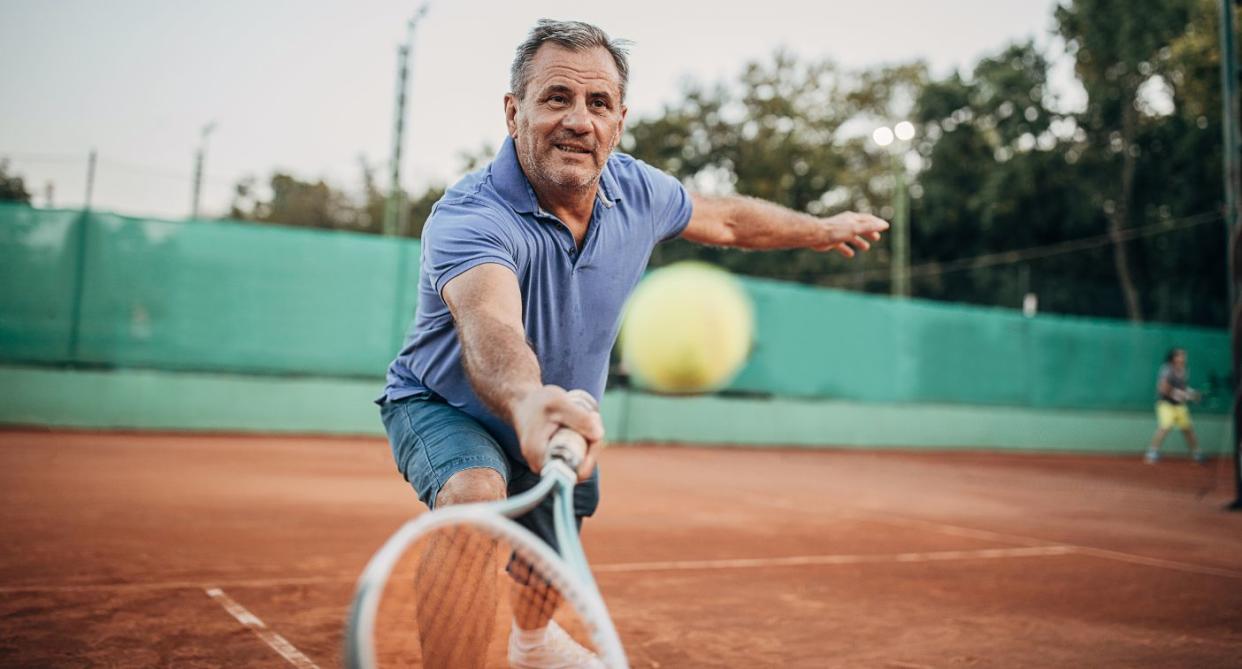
(308, 86)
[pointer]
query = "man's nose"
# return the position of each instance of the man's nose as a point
(577, 119)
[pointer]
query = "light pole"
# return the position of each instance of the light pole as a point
(900, 266)
(199, 157)
(395, 210)
(90, 178)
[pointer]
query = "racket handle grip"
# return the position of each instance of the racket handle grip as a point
(569, 446)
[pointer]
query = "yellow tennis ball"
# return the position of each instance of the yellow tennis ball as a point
(687, 329)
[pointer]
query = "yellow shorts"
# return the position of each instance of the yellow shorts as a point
(1172, 415)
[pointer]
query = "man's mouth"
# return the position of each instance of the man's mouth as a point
(570, 148)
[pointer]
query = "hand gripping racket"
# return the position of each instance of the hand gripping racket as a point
(447, 587)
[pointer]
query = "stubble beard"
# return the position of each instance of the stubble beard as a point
(541, 172)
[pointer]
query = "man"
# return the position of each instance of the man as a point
(1173, 392)
(526, 265)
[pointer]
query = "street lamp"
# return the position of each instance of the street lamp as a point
(395, 209)
(900, 265)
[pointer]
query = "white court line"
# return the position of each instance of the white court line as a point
(278, 643)
(671, 565)
(805, 560)
(1118, 556)
(1158, 562)
(179, 585)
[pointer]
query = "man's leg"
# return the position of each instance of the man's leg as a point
(1192, 442)
(450, 459)
(1181, 420)
(1153, 449)
(457, 629)
(536, 639)
(534, 600)
(1164, 422)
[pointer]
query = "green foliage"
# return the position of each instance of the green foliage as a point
(780, 134)
(1002, 168)
(996, 178)
(998, 169)
(292, 201)
(1145, 165)
(12, 186)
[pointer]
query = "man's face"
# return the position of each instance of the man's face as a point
(1179, 359)
(570, 119)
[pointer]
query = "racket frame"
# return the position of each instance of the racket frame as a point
(570, 573)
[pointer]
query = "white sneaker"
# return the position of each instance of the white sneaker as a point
(557, 650)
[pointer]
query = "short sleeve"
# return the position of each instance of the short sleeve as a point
(463, 235)
(670, 202)
(1163, 375)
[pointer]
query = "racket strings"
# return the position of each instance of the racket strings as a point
(456, 589)
(456, 595)
(533, 598)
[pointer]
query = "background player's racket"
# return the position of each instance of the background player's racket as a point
(444, 590)
(1187, 396)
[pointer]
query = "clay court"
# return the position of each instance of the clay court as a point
(111, 544)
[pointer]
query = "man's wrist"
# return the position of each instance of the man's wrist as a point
(516, 397)
(827, 231)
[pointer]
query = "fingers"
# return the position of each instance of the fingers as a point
(868, 224)
(588, 463)
(578, 414)
(576, 411)
(862, 224)
(854, 230)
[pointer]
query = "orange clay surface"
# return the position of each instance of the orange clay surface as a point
(108, 543)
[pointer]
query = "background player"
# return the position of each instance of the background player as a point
(1173, 394)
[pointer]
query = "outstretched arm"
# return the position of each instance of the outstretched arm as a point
(487, 309)
(748, 223)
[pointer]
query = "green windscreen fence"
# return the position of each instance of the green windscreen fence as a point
(105, 290)
(39, 273)
(822, 343)
(102, 290)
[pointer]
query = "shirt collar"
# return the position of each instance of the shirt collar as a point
(513, 186)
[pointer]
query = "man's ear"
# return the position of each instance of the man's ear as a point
(511, 110)
(616, 139)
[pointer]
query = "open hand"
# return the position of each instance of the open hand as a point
(851, 230)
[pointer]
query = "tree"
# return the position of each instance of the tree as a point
(1114, 47)
(318, 204)
(997, 177)
(780, 133)
(1182, 176)
(12, 186)
(296, 202)
(1004, 170)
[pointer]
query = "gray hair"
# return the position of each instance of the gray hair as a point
(573, 35)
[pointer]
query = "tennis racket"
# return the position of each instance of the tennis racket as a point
(449, 588)
(1187, 395)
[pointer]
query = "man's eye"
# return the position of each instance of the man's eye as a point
(558, 99)
(599, 103)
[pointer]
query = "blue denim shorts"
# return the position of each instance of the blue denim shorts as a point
(432, 440)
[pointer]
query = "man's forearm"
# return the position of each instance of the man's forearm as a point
(501, 366)
(759, 225)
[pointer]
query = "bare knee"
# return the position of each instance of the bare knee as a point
(472, 485)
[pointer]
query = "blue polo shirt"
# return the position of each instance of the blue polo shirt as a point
(572, 298)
